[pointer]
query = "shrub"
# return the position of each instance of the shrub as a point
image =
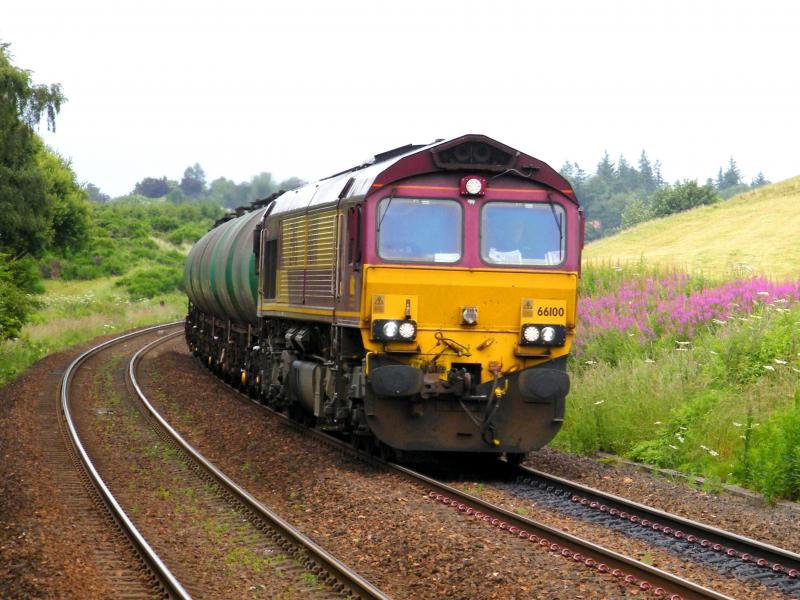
(152, 282)
(19, 280)
(14, 309)
(188, 232)
(680, 197)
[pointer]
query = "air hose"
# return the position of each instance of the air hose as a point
(486, 426)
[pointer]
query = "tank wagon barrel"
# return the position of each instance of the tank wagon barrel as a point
(423, 301)
(220, 276)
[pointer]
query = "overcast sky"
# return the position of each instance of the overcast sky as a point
(308, 89)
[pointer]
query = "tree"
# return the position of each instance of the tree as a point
(732, 176)
(14, 305)
(567, 170)
(37, 196)
(261, 186)
(41, 205)
(94, 193)
(294, 183)
(24, 104)
(150, 187)
(628, 178)
(194, 181)
(635, 212)
(759, 181)
(227, 193)
(657, 175)
(70, 215)
(680, 197)
(605, 169)
(646, 175)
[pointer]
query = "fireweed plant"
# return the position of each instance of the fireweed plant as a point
(692, 373)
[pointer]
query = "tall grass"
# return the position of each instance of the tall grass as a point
(73, 312)
(715, 393)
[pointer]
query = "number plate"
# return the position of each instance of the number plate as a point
(551, 312)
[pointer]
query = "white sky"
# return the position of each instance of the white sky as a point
(311, 88)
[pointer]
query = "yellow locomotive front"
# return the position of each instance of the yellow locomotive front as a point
(468, 304)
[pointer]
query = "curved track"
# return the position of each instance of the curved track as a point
(169, 585)
(341, 580)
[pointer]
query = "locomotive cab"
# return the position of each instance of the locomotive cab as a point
(469, 296)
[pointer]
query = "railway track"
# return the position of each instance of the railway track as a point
(741, 556)
(649, 581)
(162, 582)
(583, 553)
(331, 578)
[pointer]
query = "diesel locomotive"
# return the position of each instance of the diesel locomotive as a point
(421, 302)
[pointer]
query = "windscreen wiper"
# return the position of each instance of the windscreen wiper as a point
(388, 204)
(557, 219)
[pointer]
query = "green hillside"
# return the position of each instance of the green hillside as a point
(757, 231)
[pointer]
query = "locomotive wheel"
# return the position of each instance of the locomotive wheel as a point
(361, 442)
(515, 458)
(386, 453)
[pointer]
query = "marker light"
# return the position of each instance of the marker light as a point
(472, 186)
(530, 334)
(407, 330)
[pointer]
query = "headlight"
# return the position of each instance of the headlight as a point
(390, 329)
(530, 333)
(473, 185)
(543, 335)
(407, 330)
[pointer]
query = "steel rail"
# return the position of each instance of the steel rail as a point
(778, 560)
(165, 577)
(344, 574)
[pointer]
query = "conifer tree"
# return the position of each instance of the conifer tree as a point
(605, 169)
(759, 181)
(646, 174)
(732, 176)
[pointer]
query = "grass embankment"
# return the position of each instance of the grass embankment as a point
(73, 312)
(753, 232)
(697, 374)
